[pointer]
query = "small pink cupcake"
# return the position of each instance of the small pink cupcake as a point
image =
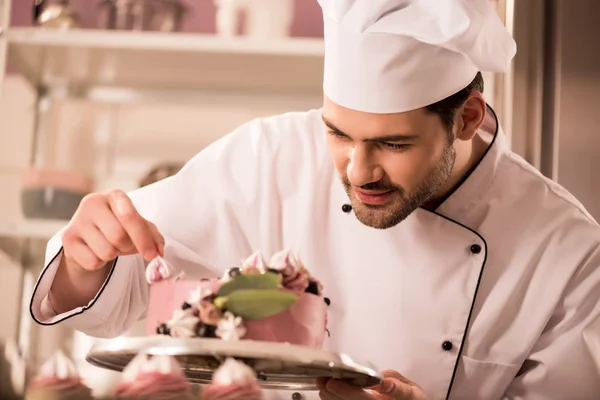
(58, 380)
(233, 381)
(156, 378)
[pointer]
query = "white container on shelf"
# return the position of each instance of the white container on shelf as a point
(270, 18)
(263, 18)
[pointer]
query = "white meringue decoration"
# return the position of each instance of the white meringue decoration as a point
(231, 327)
(295, 261)
(280, 259)
(285, 261)
(183, 323)
(198, 294)
(157, 270)
(59, 366)
(233, 372)
(226, 277)
(136, 366)
(255, 261)
(142, 363)
(165, 364)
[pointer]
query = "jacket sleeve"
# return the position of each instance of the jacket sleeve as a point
(565, 361)
(210, 214)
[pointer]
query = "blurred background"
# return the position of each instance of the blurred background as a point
(120, 93)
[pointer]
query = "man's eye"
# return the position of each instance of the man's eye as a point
(336, 134)
(396, 146)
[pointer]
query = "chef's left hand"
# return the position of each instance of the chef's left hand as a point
(393, 387)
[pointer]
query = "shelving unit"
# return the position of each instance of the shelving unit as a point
(31, 228)
(81, 60)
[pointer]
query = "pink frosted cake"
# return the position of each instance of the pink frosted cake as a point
(278, 301)
(232, 380)
(153, 378)
(58, 379)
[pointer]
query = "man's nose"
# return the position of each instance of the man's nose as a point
(363, 169)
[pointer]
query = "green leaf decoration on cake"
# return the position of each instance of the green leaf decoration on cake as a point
(267, 280)
(252, 304)
(220, 302)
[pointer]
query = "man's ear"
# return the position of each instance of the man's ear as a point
(470, 117)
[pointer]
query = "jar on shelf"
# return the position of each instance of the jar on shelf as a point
(260, 18)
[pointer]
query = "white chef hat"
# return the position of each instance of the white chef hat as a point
(388, 56)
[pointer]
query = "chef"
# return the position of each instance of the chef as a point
(449, 261)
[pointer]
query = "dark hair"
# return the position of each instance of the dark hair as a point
(447, 108)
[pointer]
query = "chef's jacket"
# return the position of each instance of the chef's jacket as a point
(487, 297)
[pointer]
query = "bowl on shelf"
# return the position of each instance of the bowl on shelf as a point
(160, 172)
(141, 15)
(52, 193)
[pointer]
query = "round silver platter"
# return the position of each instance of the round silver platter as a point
(277, 365)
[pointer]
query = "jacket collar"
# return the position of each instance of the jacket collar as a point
(475, 186)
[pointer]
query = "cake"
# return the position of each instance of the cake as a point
(58, 379)
(153, 378)
(275, 301)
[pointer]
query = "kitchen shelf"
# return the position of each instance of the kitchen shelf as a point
(86, 59)
(31, 228)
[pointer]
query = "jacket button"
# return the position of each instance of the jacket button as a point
(346, 208)
(476, 249)
(297, 396)
(447, 346)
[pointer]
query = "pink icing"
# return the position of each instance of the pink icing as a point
(54, 383)
(232, 392)
(167, 296)
(59, 375)
(155, 386)
(303, 324)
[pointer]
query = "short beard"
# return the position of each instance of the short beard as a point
(390, 215)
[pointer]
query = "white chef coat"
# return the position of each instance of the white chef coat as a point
(506, 270)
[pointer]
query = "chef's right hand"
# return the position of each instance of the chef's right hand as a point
(106, 226)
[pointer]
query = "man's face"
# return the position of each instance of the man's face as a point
(390, 164)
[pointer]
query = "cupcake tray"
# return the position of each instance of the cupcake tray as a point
(277, 365)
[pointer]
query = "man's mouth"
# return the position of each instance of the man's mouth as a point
(373, 197)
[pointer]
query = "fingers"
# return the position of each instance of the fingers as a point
(396, 386)
(110, 227)
(395, 389)
(135, 226)
(158, 238)
(324, 395)
(388, 373)
(107, 225)
(98, 244)
(77, 250)
(334, 389)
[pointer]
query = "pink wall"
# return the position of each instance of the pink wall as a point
(308, 21)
